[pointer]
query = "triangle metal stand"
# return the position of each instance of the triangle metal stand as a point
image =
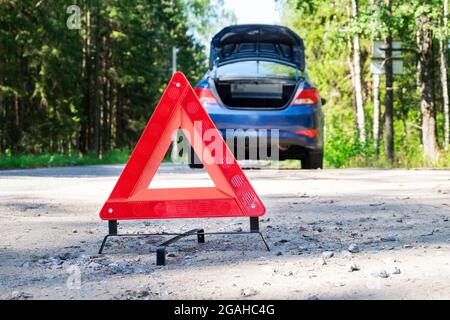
(200, 233)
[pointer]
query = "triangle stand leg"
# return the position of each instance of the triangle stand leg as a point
(112, 228)
(161, 250)
(254, 228)
(200, 233)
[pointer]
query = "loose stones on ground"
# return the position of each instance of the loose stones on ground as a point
(352, 267)
(353, 248)
(248, 292)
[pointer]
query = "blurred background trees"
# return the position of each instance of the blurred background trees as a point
(404, 115)
(91, 90)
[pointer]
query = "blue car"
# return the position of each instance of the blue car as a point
(257, 85)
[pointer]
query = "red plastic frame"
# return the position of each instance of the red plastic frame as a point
(131, 198)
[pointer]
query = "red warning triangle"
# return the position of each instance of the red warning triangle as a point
(180, 108)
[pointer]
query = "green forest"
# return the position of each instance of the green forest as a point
(81, 91)
(389, 120)
(75, 94)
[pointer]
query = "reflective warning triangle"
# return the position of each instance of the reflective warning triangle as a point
(232, 196)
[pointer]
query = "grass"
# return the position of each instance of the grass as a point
(61, 160)
(412, 158)
(408, 158)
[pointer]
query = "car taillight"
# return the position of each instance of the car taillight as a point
(205, 96)
(310, 133)
(306, 96)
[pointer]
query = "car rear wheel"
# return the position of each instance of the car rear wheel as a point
(312, 160)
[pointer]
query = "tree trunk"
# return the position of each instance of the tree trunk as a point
(357, 80)
(427, 107)
(97, 66)
(352, 75)
(444, 82)
(112, 114)
(2, 125)
(84, 134)
(120, 127)
(15, 137)
(389, 97)
(106, 101)
(376, 114)
(376, 99)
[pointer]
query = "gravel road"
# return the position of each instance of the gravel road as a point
(334, 234)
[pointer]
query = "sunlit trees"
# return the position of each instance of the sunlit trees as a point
(92, 89)
(414, 118)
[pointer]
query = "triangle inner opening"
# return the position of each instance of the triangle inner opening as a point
(176, 173)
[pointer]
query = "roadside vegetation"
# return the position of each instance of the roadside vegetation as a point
(9, 161)
(72, 91)
(365, 124)
(76, 96)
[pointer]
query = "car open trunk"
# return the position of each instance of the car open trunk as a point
(257, 42)
(255, 94)
(256, 66)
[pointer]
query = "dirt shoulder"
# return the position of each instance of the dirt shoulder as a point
(334, 234)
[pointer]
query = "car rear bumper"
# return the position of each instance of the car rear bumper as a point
(292, 126)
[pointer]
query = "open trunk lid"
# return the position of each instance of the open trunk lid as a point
(257, 42)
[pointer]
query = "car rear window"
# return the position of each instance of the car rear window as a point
(250, 69)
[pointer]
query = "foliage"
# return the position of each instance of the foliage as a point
(326, 27)
(92, 90)
(8, 161)
(67, 93)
